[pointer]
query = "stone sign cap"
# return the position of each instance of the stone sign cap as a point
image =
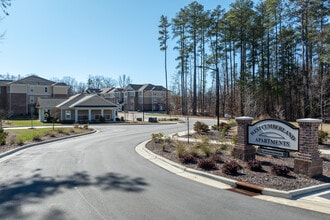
(309, 120)
(274, 133)
(244, 118)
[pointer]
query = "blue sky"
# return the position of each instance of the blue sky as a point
(78, 38)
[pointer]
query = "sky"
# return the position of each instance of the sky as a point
(81, 38)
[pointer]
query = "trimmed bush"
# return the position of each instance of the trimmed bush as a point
(255, 165)
(207, 164)
(217, 158)
(231, 167)
(279, 170)
(187, 158)
(200, 127)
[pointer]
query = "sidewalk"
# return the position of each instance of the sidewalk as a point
(316, 198)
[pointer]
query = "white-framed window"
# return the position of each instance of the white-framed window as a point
(46, 89)
(31, 88)
(67, 114)
(131, 93)
(31, 99)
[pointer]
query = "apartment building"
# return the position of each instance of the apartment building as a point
(20, 96)
(144, 97)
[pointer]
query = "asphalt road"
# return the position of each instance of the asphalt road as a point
(100, 176)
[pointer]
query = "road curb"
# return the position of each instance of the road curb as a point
(143, 151)
(4, 154)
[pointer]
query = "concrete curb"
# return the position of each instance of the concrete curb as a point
(43, 142)
(155, 158)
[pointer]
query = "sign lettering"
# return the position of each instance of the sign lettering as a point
(273, 133)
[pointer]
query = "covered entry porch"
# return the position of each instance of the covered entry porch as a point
(94, 114)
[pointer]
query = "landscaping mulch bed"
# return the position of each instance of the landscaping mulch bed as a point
(264, 178)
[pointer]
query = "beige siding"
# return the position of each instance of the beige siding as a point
(43, 90)
(60, 90)
(18, 88)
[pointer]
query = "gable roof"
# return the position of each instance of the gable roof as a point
(34, 80)
(4, 82)
(48, 103)
(86, 100)
(144, 87)
(92, 101)
(134, 87)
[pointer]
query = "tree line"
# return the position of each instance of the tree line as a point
(266, 59)
(93, 82)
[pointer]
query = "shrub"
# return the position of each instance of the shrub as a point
(180, 149)
(231, 167)
(158, 137)
(85, 126)
(36, 137)
(206, 150)
(214, 127)
(51, 133)
(20, 141)
(187, 158)
(3, 136)
(200, 127)
(207, 164)
(194, 151)
(224, 126)
(322, 137)
(279, 170)
(217, 158)
(255, 165)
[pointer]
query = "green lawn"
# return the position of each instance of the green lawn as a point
(27, 123)
(27, 135)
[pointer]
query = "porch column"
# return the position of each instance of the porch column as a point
(76, 115)
(243, 150)
(89, 114)
(102, 112)
(308, 161)
(113, 114)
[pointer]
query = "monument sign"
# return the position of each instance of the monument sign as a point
(274, 133)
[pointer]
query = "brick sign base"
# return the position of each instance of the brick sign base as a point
(307, 162)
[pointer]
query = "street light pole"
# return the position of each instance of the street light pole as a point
(217, 93)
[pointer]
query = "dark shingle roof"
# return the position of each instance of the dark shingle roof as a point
(48, 103)
(34, 80)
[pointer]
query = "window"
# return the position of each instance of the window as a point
(31, 99)
(46, 89)
(31, 88)
(68, 115)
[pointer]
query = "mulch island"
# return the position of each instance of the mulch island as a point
(266, 170)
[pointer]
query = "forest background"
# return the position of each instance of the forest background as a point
(265, 59)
